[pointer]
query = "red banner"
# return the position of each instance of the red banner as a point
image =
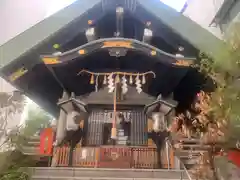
(46, 141)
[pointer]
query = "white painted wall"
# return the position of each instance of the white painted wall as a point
(203, 12)
(16, 16)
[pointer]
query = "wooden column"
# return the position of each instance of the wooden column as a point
(150, 128)
(172, 158)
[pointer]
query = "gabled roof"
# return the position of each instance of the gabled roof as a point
(184, 27)
(23, 52)
(50, 28)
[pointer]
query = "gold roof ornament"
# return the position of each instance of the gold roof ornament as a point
(180, 61)
(51, 60)
(183, 63)
(56, 46)
(17, 74)
(122, 44)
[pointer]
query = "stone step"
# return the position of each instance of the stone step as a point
(106, 174)
(188, 140)
(201, 146)
(192, 148)
(187, 160)
(28, 150)
(105, 178)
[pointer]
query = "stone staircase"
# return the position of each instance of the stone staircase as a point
(190, 151)
(106, 174)
(32, 146)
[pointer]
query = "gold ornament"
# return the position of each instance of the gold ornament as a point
(92, 79)
(56, 46)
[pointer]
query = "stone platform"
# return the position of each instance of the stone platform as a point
(57, 173)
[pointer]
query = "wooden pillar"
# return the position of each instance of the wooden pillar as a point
(150, 128)
(164, 158)
(55, 157)
(172, 158)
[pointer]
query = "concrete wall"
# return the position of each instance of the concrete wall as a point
(203, 12)
(233, 15)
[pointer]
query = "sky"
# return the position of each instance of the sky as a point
(176, 4)
(56, 5)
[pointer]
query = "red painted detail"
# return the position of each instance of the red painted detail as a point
(234, 156)
(46, 141)
(115, 157)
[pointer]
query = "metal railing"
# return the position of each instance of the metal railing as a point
(181, 163)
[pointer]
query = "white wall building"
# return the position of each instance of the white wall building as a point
(214, 15)
(18, 15)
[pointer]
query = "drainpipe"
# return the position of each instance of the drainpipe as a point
(60, 131)
(61, 124)
(167, 151)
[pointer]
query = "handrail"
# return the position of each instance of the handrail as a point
(186, 171)
(181, 163)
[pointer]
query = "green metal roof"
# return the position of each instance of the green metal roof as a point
(185, 27)
(34, 36)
